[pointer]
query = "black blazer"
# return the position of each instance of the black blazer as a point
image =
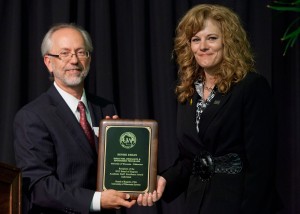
(59, 167)
(242, 122)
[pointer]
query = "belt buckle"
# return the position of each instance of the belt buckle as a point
(203, 166)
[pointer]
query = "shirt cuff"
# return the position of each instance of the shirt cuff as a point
(96, 205)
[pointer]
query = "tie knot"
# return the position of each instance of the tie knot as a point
(81, 106)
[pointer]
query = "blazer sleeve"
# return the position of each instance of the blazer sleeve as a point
(177, 176)
(36, 156)
(259, 146)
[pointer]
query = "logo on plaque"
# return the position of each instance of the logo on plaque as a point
(127, 140)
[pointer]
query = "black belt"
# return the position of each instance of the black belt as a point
(205, 165)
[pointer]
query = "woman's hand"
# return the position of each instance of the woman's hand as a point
(148, 199)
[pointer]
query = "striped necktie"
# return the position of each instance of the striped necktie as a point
(85, 124)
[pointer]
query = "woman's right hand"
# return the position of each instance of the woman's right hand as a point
(148, 199)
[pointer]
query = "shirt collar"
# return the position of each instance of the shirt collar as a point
(72, 101)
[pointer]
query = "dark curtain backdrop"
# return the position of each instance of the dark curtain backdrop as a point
(132, 65)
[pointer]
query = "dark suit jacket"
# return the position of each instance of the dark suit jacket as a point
(242, 122)
(59, 167)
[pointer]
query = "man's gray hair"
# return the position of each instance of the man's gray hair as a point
(47, 42)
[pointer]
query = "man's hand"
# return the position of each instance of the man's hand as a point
(112, 199)
(148, 199)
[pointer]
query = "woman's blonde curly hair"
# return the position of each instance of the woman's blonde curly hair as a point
(237, 56)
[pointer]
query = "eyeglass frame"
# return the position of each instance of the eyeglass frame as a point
(70, 54)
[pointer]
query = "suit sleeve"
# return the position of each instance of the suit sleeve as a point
(259, 146)
(178, 175)
(36, 156)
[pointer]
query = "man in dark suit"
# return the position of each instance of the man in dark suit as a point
(57, 159)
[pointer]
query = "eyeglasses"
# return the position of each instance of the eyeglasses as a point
(67, 55)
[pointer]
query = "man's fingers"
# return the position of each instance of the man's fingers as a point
(128, 204)
(113, 117)
(114, 199)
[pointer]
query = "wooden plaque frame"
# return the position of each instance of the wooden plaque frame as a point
(126, 147)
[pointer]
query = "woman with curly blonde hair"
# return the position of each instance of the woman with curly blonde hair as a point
(225, 131)
(237, 57)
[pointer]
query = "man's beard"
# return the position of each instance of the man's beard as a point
(71, 79)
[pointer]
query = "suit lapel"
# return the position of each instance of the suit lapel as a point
(187, 118)
(212, 109)
(95, 112)
(70, 121)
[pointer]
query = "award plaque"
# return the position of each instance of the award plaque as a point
(127, 157)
